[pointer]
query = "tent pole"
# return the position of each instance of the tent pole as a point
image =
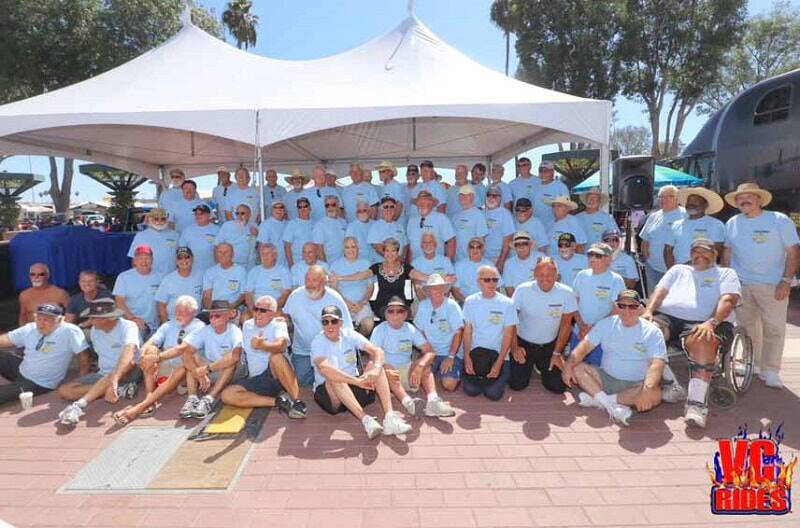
(605, 178)
(257, 166)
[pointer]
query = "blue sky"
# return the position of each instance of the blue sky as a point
(304, 29)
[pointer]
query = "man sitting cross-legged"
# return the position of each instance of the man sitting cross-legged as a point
(162, 358)
(340, 383)
(271, 378)
(212, 369)
(405, 374)
(116, 341)
(629, 374)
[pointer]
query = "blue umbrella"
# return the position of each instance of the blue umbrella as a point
(663, 176)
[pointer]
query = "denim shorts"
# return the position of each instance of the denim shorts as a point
(453, 373)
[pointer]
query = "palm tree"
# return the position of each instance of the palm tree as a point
(502, 14)
(241, 22)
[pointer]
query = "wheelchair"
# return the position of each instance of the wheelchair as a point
(731, 372)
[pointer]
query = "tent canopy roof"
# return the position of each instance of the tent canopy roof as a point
(197, 102)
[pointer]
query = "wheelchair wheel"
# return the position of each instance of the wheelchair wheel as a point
(721, 396)
(738, 361)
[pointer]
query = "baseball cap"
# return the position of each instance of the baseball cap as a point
(143, 249)
(202, 207)
(703, 243)
(466, 189)
(566, 237)
(331, 311)
(50, 309)
(302, 200)
(184, 250)
(426, 163)
(610, 233)
(521, 235)
(629, 295)
(523, 203)
(494, 190)
(548, 165)
(604, 250)
(412, 167)
(388, 199)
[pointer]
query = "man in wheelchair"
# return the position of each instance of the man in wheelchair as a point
(693, 306)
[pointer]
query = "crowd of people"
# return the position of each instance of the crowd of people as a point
(375, 291)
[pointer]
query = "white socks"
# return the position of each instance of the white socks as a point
(406, 400)
(82, 403)
(605, 399)
(697, 390)
(433, 395)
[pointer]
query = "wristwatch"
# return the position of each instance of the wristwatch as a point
(208, 369)
(379, 365)
(714, 322)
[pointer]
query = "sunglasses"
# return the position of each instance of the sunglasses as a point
(278, 206)
(181, 335)
(564, 244)
(388, 207)
(241, 213)
(262, 310)
(626, 306)
(159, 219)
(326, 322)
(302, 206)
(330, 205)
(184, 257)
(199, 212)
(40, 343)
(421, 222)
(396, 312)
(411, 171)
(319, 194)
(216, 316)
(611, 239)
(522, 209)
(362, 211)
(433, 314)
(35, 274)
(490, 279)
(521, 244)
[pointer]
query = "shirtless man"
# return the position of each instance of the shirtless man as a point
(40, 292)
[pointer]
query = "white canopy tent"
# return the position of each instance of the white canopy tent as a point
(196, 102)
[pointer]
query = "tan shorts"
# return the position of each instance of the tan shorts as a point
(364, 313)
(404, 373)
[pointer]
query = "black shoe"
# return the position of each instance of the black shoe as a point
(298, 410)
(284, 403)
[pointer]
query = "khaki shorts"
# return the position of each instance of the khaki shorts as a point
(364, 313)
(612, 385)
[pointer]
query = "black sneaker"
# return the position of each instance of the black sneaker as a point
(298, 410)
(284, 403)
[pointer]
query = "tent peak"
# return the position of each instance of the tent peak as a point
(186, 14)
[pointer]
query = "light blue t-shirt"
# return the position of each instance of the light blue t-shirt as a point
(544, 194)
(525, 188)
(173, 286)
(353, 291)
(595, 224)
(694, 295)
(169, 333)
(109, 345)
(467, 275)
(341, 354)
(454, 205)
(624, 265)
(397, 191)
(438, 264)
(397, 343)
(225, 284)
(300, 269)
(540, 312)
(468, 224)
(45, 363)
(489, 318)
(297, 233)
(381, 230)
(237, 196)
(316, 197)
(181, 212)
(272, 281)
(139, 292)
(440, 324)
(360, 230)
(201, 240)
(500, 224)
(597, 294)
(242, 239)
(686, 230)
(271, 194)
(163, 243)
(628, 351)
(569, 269)
(330, 233)
(535, 228)
(436, 189)
(517, 271)
(354, 193)
(271, 232)
(257, 359)
(291, 202)
(758, 246)
(169, 197)
(657, 231)
(508, 195)
(213, 346)
(568, 224)
(306, 314)
(435, 223)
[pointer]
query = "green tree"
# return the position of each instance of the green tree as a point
(241, 23)
(630, 140)
(503, 13)
(770, 46)
(49, 44)
(670, 51)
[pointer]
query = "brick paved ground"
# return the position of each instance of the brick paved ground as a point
(532, 460)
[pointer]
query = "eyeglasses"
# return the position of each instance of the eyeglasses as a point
(433, 314)
(216, 316)
(184, 257)
(564, 244)
(225, 191)
(330, 205)
(362, 211)
(522, 209)
(319, 194)
(302, 206)
(388, 207)
(626, 306)
(412, 172)
(521, 244)
(490, 279)
(181, 335)
(199, 212)
(39, 274)
(159, 219)
(396, 312)
(326, 322)
(241, 213)
(40, 343)
(279, 206)
(422, 222)
(262, 310)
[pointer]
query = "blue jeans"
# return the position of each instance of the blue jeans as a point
(653, 276)
(303, 370)
(453, 373)
(593, 358)
(491, 388)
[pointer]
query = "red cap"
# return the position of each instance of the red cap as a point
(143, 249)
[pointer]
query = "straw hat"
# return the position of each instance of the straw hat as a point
(751, 188)
(594, 190)
(386, 165)
(714, 200)
(297, 173)
(435, 279)
(563, 200)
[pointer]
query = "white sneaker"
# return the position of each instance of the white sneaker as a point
(585, 400)
(71, 414)
(203, 407)
(695, 415)
(620, 413)
(772, 379)
(393, 424)
(415, 406)
(187, 411)
(439, 407)
(372, 427)
(673, 393)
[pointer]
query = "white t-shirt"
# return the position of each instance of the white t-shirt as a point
(596, 294)
(306, 314)
(693, 295)
(540, 312)
(173, 286)
(268, 281)
(500, 224)
(201, 241)
(258, 360)
(628, 351)
(440, 324)
(397, 343)
(686, 230)
(225, 284)
(109, 345)
(213, 346)
(139, 292)
(468, 224)
(341, 354)
(489, 318)
(517, 271)
(163, 243)
(169, 333)
(46, 364)
(758, 246)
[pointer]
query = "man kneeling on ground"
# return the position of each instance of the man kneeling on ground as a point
(162, 358)
(629, 374)
(339, 382)
(405, 374)
(272, 381)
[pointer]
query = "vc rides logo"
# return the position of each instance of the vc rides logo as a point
(749, 476)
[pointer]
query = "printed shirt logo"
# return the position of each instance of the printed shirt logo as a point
(210, 238)
(760, 236)
(350, 356)
(640, 347)
(555, 310)
(404, 345)
(602, 292)
(495, 317)
(233, 285)
(444, 325)
(708, 282)
(47, 347)
(700, 233)
(597, 227)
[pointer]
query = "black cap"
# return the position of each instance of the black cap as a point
(566, 237)
(202, 207)
(629, 295)
(412, 167)
(388, 199)
(523, 202)
(302, 199)
(50, 309)
(426, 163)
(331, 311)
(219, 306)
(184, 250)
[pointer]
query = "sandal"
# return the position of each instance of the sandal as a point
(121, 418)
(150, 411)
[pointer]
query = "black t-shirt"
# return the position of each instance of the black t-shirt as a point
(78, 303)
(389, 286)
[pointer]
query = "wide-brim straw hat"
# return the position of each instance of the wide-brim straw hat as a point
(563, 200)
(714, 200)
(386, 165)
(297, 173)
(751, 188)
(435, 279)
(603, 196)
